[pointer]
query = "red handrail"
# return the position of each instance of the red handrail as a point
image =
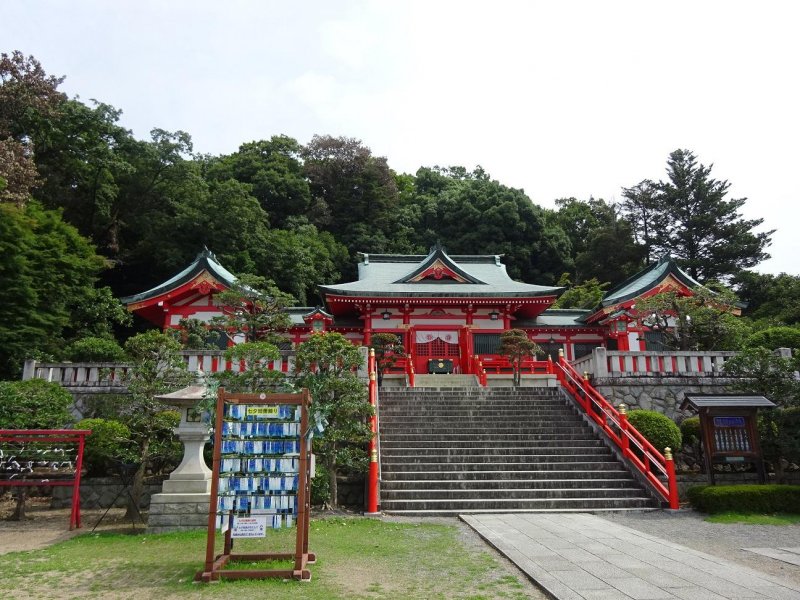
(656, 467)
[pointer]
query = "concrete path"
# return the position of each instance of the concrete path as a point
(576, 556)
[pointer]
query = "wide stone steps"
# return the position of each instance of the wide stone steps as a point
(450, 451)
(489, 474)
(449, 506)
(546, 464)
(508, 494)
(418, 485)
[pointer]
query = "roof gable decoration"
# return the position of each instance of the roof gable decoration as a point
(438, 267)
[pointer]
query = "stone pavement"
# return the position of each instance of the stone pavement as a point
(577, 556)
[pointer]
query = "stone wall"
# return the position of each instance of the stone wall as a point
(662, 394)
(99, 492)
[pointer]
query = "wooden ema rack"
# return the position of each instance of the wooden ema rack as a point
(215, 565)
(33, 450)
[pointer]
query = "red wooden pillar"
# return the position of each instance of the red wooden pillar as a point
(367, 325)
(372, 485)
(672, 482)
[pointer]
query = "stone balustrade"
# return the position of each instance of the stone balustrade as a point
(110, 377)
(605, 364)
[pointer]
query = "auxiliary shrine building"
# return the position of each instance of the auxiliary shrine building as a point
(445, 308)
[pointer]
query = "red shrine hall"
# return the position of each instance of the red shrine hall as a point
(444, 308)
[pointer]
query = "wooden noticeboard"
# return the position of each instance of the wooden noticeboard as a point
(260, 480)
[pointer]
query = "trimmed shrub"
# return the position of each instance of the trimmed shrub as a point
(94, 349)
(34, 404)
(110, 440)
(690, 430)
(745, 498)
(658, 429)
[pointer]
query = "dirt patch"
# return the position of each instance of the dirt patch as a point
(45, 526)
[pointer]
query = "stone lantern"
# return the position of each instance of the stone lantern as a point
(184, 499)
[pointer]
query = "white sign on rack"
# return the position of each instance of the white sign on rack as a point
(249, 527)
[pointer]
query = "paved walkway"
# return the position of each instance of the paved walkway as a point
(576, 556)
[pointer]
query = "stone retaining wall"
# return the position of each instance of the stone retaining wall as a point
(99, 492)
(662, 394)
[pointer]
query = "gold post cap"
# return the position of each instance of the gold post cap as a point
(561, 352)
(586, 375)
(668, 453)
(372, 351)
(623, 408)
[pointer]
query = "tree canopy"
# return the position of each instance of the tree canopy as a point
(689, 217)
(92, 213)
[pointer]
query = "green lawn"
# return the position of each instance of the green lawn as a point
(357, 558)
(754, 519)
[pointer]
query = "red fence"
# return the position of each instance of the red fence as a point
(657, 468)
(37, 461)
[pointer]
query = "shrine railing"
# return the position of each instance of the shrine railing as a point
(658, 469)
(602, 363)
(111, 376)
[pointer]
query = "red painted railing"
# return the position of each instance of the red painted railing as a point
(657, 468)
(503, 365)
(33, 444)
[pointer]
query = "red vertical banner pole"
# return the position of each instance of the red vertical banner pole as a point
(672, 481)
(75, 517)
(372, 486)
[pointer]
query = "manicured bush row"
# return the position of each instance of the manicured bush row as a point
(745, 498)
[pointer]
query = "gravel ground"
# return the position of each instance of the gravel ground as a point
(725, 540)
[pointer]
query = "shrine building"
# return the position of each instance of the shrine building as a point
(451, 307)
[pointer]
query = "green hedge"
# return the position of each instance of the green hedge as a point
(745, 498)
(658, 429)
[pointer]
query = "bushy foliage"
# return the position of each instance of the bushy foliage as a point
(761, 371)
(326, 364)
(779, 430)
(94, 349)
(774, 337)
(109, 441)
(34, 404)
(690, 430)
(256, 375)
(658, 429)
(745, 498)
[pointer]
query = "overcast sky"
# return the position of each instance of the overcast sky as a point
(558, 98)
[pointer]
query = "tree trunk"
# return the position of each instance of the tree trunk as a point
(137, 485)
(334, 487)
(19, 510)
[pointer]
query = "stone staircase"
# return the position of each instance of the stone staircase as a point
(447, 451)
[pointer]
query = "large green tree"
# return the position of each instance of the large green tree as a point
(326, 364)
(772, 299)
(690, 217)
(48, 272)
(602, 243)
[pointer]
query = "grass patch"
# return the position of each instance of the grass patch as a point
(357, 558)
(755, 519)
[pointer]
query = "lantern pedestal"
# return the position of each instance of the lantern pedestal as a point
(184, 500)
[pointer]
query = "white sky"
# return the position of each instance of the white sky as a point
(558, 98)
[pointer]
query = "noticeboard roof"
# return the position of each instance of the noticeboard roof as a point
(698, 401)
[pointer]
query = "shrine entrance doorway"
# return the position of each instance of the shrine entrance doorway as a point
(436, 351)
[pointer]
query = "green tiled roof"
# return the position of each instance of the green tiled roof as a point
(647, 280)
(385, 275)
(204, 261)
